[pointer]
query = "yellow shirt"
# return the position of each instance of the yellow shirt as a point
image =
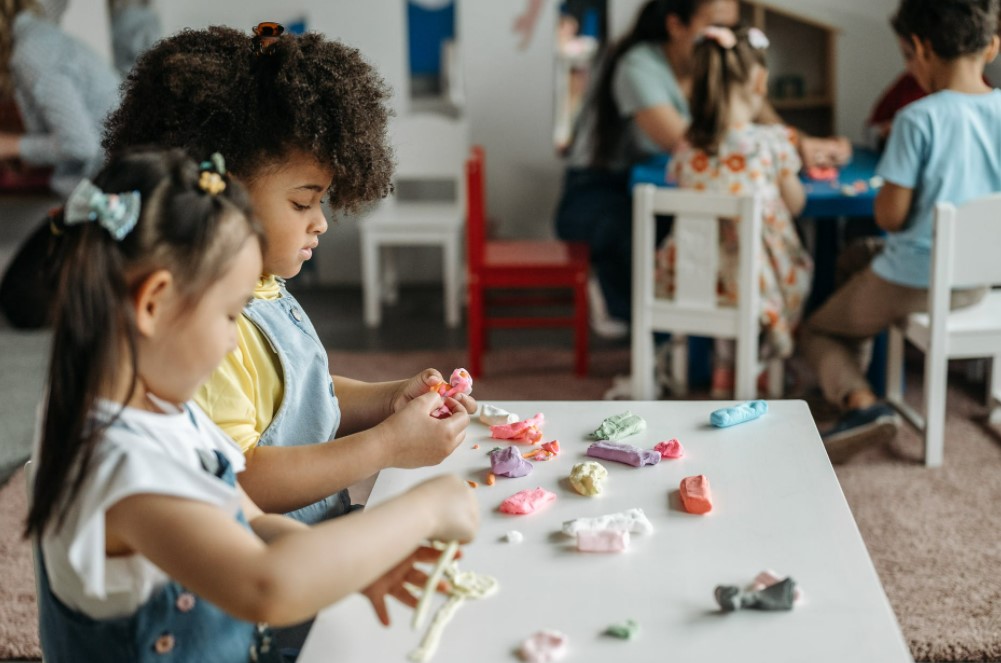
(243, 394)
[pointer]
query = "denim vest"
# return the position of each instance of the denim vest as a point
(173, 625)
(308, 413)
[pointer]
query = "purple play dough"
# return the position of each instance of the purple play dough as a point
(623, 453)
(509, 463)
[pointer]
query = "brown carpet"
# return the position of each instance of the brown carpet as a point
(934, 535)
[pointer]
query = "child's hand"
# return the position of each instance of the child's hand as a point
(420, 384)
(416, 439)
(451, 505)
(392, 583)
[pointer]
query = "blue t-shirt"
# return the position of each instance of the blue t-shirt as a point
(947, 148)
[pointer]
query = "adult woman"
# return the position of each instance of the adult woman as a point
(63, 91)
(638, 108)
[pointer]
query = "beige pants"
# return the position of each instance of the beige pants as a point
(836, 340)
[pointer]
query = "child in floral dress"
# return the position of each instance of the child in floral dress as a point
(727, 152)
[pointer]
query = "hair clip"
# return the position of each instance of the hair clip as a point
(211, 178)
(757, 39)
(719, 34)
(266, 34)
(115, 212)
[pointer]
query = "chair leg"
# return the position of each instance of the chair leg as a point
(390, 276)
(679, 365)
(776, 378)
(994, 391)
(936, 371)
(370, 280)
(642, 362)
(745, 379)
(895, 367)
(475, 330)
(451, 275)
(580, 328)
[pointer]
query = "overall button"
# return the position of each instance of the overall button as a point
(164, 644)
(185, 602)
(296, 314)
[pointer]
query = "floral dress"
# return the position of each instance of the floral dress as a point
(751, 159)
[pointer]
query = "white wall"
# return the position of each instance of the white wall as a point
(87, 20)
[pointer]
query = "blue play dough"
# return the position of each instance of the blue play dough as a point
(738, 414)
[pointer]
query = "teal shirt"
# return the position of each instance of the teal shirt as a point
(643, 79)
(946, 148)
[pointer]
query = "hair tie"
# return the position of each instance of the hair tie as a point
(115, 212)
(724, 37)
(211, 178)
(757, 39)
(266, 34)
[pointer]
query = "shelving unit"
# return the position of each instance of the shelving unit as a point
(801, 63)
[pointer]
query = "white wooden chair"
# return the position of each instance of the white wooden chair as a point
(694, 309)
(428, 147)
(964, 254)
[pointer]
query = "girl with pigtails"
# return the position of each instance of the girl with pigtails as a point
(726, 151)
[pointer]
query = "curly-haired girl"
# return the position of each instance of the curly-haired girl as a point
(148, 546)
(297, 118)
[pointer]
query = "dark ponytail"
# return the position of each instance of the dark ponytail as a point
(715, 71)
(182, 228)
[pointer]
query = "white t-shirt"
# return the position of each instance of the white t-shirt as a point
(142, 453)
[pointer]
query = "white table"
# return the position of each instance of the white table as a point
(777, 504)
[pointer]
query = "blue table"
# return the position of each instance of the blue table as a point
(825, 200)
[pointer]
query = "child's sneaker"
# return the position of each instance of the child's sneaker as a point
(858, 429)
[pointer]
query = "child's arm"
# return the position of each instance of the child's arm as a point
(285, 478)
(365, 404)
(792, 192)
(893, 202)
(301, 570)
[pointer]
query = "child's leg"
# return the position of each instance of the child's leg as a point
(724, 359)
(836, 340)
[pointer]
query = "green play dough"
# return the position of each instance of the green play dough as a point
(619, 426)
(624, 631)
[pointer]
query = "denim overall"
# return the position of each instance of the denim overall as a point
(173, 625)
(309, 412)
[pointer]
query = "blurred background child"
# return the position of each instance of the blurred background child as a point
(727, 152)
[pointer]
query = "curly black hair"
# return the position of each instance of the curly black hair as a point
(211, 91)
(954, 27)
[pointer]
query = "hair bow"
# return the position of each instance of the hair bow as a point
(210, 180)
(757, 39)
(116, 212)
(721, 35)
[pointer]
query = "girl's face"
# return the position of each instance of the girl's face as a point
(180, 352)
(287, 200)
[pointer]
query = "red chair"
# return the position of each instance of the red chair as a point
(519, 265)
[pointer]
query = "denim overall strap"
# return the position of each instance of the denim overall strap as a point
(309, 412)
(173, 625)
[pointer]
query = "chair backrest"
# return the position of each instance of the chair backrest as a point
(696, 235)
(966, 241)
(476, 208)
(964, 252)
(429, 146)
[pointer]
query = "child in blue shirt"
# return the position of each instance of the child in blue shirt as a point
(943, 148)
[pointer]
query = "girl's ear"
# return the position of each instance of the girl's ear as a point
(151, 301)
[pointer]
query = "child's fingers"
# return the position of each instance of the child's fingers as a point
(379, 604)
(468, 403)
(430, 377)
